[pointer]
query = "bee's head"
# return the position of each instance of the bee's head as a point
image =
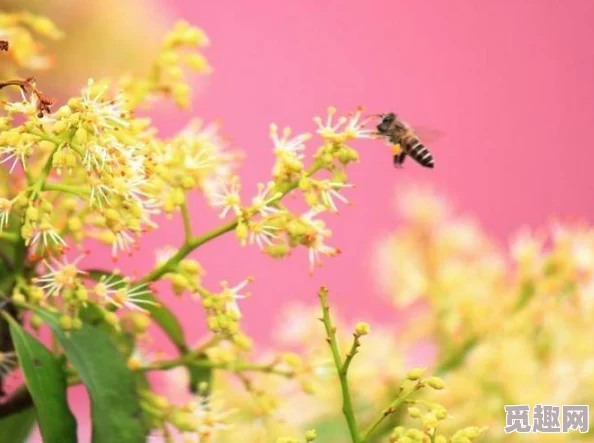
(387, 120)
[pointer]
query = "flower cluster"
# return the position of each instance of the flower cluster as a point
(92, 170)
(20, 30)
(511, 327)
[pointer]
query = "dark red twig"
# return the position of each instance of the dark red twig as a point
(43, 103)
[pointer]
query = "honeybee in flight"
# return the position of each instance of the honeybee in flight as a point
(404, 141)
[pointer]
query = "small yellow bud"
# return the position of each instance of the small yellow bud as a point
(111, 318)
(36, 321)
(362, 328)
(81, 136)
(416, 373)
(81, 294)
(19, 298)
(292, 359)
(65, 322)
(435, 382)
(77, 323)
(311, 435)
(414, 412)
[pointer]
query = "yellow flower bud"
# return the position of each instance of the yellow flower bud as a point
(65, 322)
(416, 373)
(311, 435)
(362, 328)
(435, 382)
(81, 136)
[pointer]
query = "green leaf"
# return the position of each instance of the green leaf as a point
(160, 313)
(47, 385)
(16, 428)
(115, 407)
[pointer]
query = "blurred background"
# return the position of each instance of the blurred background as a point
(507, 83)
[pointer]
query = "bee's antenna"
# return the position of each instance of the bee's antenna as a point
(374, 115)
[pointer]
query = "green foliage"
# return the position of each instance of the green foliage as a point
(16, 428)
(115, 407)
(47, 385)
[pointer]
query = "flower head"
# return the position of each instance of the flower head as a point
(5, 207)
(231, 295)
(330, 190)
(262, 234)
(261, 202)
(315, 239)
(227, 197)
(286, 146)
(122, 292)
(61, 275)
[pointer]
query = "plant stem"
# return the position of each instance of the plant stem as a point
(192, 360)
(402, 397)
(196, 242)
(187, 221)
(75, 190)
(9, 236)
(351, 354)
(347, 406)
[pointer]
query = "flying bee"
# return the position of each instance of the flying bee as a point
(404, 141)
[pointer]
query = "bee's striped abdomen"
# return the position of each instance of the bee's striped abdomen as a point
(419, 152)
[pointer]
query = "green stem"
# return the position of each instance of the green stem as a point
(190, 359)
(76, 190)
(187, 221)
(196, 242)
(9, 236)
(402, 397)
(351, 354)
(347, 405)
(39, 183)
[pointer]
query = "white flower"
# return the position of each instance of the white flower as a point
(44, 235)
(5, 207)
(108, 114)
(122, 293)
(288, 146)
(226, 196)
(95, 157)
(16, 154)
(122, 241)
(210, 414)
(330, 129)
(99, 192)
(330, 191)
(262, 201)
(344, 128)
(355, 127)
(315, 243)
(231, 295)
(61, 275)
(8, 361)
(262, 234)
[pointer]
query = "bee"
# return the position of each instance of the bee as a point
(404, 141)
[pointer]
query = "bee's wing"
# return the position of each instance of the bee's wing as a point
(428, 134)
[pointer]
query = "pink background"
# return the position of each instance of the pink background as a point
(510, 82)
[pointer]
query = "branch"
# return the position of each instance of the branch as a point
(196, 242)
(191, 360)
(347, 406)
(402, 397)
(43, 103)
